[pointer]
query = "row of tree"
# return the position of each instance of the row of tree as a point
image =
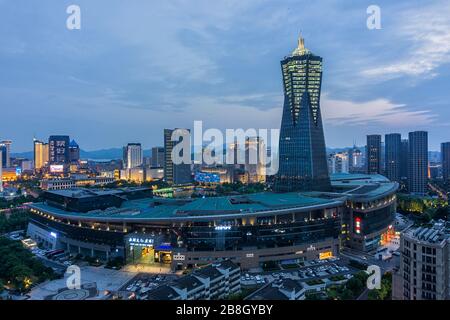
(422, 209)
(19, 269)
(16, 220)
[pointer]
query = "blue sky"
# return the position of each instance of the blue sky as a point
(136, 67)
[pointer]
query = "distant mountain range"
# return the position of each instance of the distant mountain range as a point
(116, 153)
(103, 154)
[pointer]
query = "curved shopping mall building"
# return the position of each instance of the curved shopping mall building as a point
(249, 229)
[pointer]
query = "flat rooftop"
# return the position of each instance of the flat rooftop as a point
(159, 209)
(436, 233)
(359, 185)
(355, 186)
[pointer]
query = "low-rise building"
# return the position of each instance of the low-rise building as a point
(213, 282)
(282, 289)
(68, 183)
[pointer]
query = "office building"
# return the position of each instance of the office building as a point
(132, 156)
(424, 264)
(41, 153)
(74, 151)
(445, 160)
(393, 150)
(418, 162)
(302, 156)
(373, 154)
(157, 157)
(5, 146)
(175, 173)
(58, 147)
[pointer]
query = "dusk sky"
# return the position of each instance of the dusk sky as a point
(137, 67)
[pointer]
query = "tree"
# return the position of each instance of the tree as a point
(384, 293)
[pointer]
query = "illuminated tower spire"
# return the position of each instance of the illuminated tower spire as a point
(300, 50)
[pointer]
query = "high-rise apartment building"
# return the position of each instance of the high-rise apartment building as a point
(445, 159)
(302, 156)
(424, 272)
(417, 162)
(175, 173)
(132, 155)
(41, 153)
(373, 154)
(393, 150)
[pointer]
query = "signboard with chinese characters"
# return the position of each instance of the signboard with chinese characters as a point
(138, 241)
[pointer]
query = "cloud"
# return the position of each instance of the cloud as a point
(427, 33)
(379, 111)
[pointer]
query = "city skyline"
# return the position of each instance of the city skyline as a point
(63, 84)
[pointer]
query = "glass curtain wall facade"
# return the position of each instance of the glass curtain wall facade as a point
(303, 162)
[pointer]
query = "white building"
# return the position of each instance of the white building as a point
(338, 163)
(133, 156)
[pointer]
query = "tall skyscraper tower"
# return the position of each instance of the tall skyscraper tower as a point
(5, 145)
(393, 150)
(418, 162)
(174, 173)
(445, 159)
(74, 151)
(373, 157)
(40, 154)
(58, 147)
(133, 156)
(302, 156)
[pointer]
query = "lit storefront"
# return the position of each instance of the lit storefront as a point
(147, 249)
